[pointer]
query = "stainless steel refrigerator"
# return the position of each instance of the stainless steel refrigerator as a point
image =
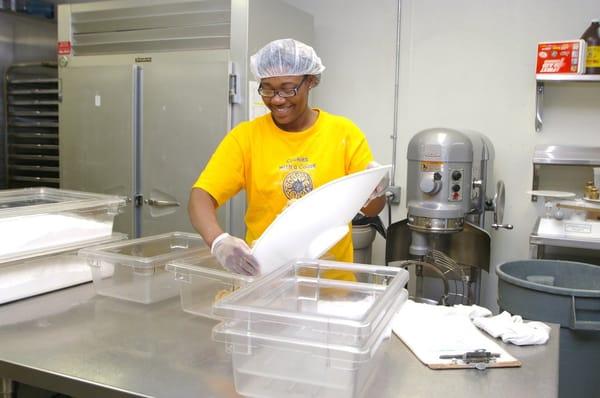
(149, 88)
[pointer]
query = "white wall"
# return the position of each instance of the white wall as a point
(465, 64)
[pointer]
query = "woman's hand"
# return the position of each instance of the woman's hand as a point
(234, 255)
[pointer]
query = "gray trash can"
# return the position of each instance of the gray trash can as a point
(561, 292)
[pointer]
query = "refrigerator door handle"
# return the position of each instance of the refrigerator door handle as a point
(162, 203)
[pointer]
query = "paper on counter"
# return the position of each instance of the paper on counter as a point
(430, 331)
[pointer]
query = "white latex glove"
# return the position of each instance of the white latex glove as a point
(234, 255)
(381, 187)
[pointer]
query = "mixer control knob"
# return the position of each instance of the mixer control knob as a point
(456, 175)
(455, 188)
(429, 184)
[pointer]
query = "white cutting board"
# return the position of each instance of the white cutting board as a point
(312, 225)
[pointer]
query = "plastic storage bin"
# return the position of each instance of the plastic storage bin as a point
(294, 333)
(203, 281)
(299, 300)
(562, 292)
(134, 270)
(55, 269)
(37, 219)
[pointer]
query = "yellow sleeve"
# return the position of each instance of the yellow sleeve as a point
(359, 154)
(223, 176)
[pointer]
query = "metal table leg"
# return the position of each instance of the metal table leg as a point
(7, 388)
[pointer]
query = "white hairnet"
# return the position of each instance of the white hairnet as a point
(285, 57)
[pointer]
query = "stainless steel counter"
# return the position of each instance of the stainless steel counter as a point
(84, 345)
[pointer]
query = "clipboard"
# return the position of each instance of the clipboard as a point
(433, 331)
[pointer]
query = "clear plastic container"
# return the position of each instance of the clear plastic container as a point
(203, 281)
(38, 219)
(277, 366)
(134, 270)
(299, 300)
(45, 272)
(297, 332)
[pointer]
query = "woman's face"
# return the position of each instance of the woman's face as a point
(291, 113)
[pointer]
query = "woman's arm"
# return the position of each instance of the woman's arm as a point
(231, 252)
(202, 209)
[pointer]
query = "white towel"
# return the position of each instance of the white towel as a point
(472, 311)
(512, 329)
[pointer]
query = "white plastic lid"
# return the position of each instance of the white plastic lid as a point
(148, 252)
(314, 224)
(26, 201)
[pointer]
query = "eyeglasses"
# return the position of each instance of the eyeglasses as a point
(284, 93)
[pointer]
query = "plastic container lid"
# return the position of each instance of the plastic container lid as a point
(72, 246)
(148, 252)
(204, 267)
(314, 224)
(26, 201)
(300, 294)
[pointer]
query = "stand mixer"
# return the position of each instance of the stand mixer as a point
(443, 236)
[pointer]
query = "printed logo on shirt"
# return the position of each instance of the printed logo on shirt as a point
(297, 184)
(297, 163)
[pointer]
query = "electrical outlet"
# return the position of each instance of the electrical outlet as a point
(394, 192)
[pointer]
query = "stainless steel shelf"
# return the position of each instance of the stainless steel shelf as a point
(34, 123)
(34, 113)
(33, 91)
(33, 157)
(26, 135)
(580, 243)
(566, 78)
(32, 80)
(32, 102)
(34, 146)
(51, 169)
(35, 179)
(541, 79)
(571, 155)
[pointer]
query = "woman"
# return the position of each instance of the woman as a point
(278, 157)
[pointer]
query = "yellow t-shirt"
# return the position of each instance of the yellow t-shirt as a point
(275, 166)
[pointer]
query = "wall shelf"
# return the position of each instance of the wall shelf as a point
(541, 79)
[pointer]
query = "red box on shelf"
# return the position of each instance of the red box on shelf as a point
(561, 57)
